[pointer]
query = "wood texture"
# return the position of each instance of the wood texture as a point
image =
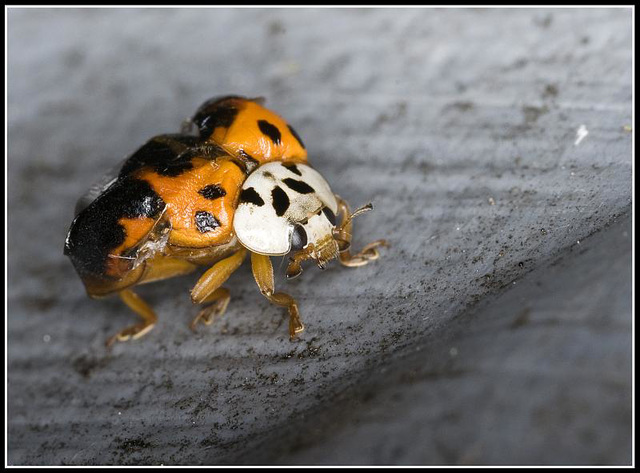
(462, 126)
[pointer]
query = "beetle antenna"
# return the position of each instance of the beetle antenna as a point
(361, 210)
(355, 213)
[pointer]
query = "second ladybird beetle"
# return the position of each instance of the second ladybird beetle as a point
(240, 185)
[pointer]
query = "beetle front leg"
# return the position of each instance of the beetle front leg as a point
(208, 289)
(343, 238)
(263, 274)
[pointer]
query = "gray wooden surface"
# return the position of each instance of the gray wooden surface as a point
(462, 126)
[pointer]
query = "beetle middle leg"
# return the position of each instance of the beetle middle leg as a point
(263, 274)
(140, 307)
(220, 300)
(208, 289)
(343, 238)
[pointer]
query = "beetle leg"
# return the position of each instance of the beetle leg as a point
(208, 289)
(163, 267)
(140, 307)
(220, 298)
(343, 238)
(263, 274)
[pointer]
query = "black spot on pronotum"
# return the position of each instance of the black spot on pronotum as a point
(300, 187)
(206, 222)
(330, 215)
(280, 201)
(270, 130)
(297, 137)
(293, 168)
(212, 192)
(250, 196)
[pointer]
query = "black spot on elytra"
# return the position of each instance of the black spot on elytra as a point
(212, 192)
(270, 130)
(168, 155)
(216, 112)
(206, 222)
(300, 187)
(280, 201)
(293, 168)
(296, 136)
(95, 232)
(175, 168)
(250, 196)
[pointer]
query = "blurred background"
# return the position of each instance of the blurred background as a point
(495, 145)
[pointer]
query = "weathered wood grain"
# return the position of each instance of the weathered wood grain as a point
(460, 125)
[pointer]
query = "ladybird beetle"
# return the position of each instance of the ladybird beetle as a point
(239, 184)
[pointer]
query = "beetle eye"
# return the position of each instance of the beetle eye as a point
(299, 238)
(330, 215)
